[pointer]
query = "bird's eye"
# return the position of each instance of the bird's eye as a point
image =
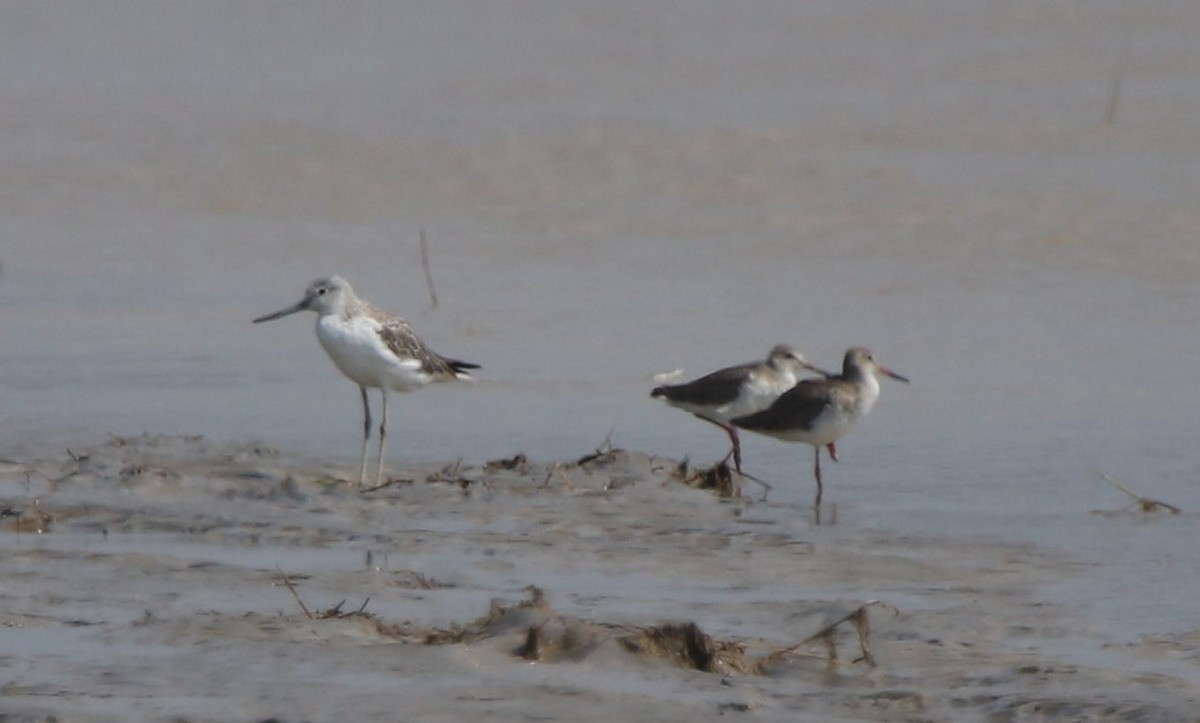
(321, 291)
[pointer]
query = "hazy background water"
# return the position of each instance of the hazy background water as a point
(613, 190)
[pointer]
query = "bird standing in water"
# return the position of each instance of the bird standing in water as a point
(819, 412)
(737, 391)
(375, 349)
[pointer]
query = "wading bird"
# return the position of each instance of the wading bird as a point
(375, 349)
(737, 391)
(819, 412)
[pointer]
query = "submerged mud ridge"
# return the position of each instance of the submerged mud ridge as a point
(175, 577)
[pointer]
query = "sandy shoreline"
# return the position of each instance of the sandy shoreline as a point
(155, 593)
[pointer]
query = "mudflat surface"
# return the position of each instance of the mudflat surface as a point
(177, 578)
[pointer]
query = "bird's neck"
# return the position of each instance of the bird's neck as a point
(868, 392)
(784, 371)
(345, 308)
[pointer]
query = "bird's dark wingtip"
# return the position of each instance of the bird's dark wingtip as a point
(458, 365)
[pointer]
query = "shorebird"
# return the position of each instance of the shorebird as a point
(737, 391)
(821, 411)
(374, 348)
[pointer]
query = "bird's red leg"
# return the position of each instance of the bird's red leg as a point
(737, 447)
(817, 473)
(736, 452)
(832, 451)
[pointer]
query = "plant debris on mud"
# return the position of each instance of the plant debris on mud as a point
(547, 636)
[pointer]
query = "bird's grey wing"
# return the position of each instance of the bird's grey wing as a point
(796, 408)
(399, 337)
(719, 387)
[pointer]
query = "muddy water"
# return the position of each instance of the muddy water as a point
(613, 193)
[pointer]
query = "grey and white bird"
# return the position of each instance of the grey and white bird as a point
(375, 349)
(819, 412)
(737, 391)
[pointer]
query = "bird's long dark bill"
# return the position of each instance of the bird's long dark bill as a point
(281, 313)
(893, 375)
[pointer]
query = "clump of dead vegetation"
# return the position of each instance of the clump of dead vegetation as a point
(719, 478)
(604, 459)
(539, 633)
(32, 519)
(468, 477)
(518, 463)
(604, 454)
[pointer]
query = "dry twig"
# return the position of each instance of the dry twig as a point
(1116, 80)
(292, 588)
(1145, 504)
(861, 621)
(605, 453)
(433, 300)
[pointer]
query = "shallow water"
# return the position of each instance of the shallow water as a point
(614, 192)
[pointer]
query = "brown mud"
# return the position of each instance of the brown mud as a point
(179, 578)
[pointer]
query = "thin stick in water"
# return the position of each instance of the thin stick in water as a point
(1145, 504)
(428, 274)
(292, 589)
(1117, 79)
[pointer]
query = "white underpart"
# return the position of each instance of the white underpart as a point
(839, 418)
(757, 392)
(360, 353)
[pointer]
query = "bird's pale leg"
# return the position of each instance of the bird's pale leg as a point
(817, 473)
(362, 467)
(382, 437)
(832, 451)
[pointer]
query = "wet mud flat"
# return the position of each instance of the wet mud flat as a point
(176, 578)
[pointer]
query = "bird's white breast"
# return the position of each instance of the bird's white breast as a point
(841, 416)
(834, 422)
(360, 353)
(868, 394)
(758, 392)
